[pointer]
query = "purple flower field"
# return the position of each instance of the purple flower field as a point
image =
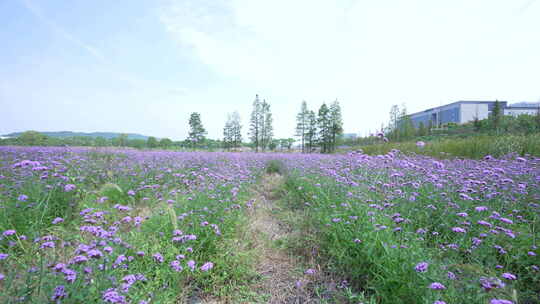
(89, 225)
(413, 227)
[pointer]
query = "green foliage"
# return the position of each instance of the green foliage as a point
(261, 128)
(197, 133)
(275, 167)
(422, 131)
(151, 142)
(106, 176)
(165, 143)
(32, 138)
(496, 115)
(381, 263)
(324, 121)
(469, 147)
(302, 125)
(232, 132)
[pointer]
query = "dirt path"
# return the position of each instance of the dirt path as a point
(283, 280)
(284, 277)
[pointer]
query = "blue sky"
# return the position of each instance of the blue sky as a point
(143, 66)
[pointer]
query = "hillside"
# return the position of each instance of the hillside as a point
(64, 134)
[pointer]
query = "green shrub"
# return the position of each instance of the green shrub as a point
(275, 167)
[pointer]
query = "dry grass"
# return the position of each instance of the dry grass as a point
(281, 283)
(282, 277)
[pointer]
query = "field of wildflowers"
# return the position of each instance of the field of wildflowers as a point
(89, 226)
(419, 230)
(85, 225)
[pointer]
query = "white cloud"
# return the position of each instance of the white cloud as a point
(369, 54)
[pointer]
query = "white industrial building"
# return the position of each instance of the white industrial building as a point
(465, 111)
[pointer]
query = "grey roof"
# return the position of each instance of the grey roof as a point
(525, 104)
(459, 102)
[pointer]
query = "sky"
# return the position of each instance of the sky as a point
(139, 66)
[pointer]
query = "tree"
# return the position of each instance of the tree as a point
(289, 143)
(267, 130)
(496, 115)
(236, 130)
(325, 128)
(421, 129)
(151, 142)
(232, 132)
(406, 127)
(136, 143)
(197, 133)
(100, 142)
(311, 131)
(165, 143)
(537, 119)
(430, 127)
(285, 143)
(228, 133)
(274, 143)
(260, 126)
(122, 139)
(395, 113)
(336, 124)
(32, 138)
(255, 123)
(302, 125)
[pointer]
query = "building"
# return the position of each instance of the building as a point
(460, 112)
(516, 109)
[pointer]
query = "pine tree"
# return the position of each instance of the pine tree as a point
(496, 115)
(236, 129)
(232, 132)
(537, 119)
(197, 133)
(311, 131)
(395, 113)
(228, 133)
(336, 128)
(325, 128)
(255, 123)
(267, 130)
(302, 125)
(421, 129)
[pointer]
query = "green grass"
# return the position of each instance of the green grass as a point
(376, 266)
(474, 147)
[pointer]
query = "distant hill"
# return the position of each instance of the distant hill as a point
(63, 134)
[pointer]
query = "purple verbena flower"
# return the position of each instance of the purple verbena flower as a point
(421, 267)
(57, 220)
(158, 257)
(459, 230)
(310, 271)
(509, 276)
(436, 286)
(9, 232)
(69, 187)
(500, 301)
(191, 264)
(59, 293)
(207, 266)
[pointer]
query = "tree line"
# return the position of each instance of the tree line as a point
(319, 130)
(316, 131)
